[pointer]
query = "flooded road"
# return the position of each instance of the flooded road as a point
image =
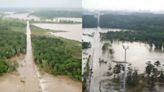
(95, 51)
(30, 70)
(71, 31)
(26, 79)
(137, 55)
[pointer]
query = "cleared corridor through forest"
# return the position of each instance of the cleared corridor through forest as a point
(31, 79)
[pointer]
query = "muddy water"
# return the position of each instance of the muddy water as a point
(10, 82)
(73, 31)
(137, 54)
(60, 84)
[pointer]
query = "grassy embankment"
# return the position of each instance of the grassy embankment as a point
(12, 43)
(56, 55)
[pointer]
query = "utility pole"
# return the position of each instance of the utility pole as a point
(125, 67)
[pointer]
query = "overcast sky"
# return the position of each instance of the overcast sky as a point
(40, 3)
(153, 5)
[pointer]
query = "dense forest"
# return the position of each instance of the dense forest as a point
(134, 21)
(58, 56)
(56, 13)
(12, 42)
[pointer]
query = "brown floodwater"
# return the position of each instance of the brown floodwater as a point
(137, 55)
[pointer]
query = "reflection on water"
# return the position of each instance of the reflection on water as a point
(137, 55)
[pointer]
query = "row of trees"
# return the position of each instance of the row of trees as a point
(57, 56)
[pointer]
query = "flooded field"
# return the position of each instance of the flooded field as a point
(69, 31)
(138, 55)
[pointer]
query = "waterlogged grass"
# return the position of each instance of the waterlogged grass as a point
(56, 55)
